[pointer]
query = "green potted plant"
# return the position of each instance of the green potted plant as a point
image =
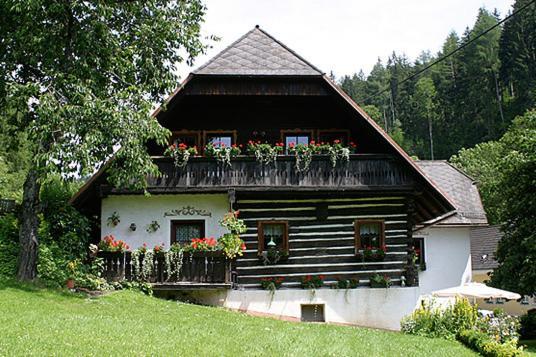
(72, 272)
(380, 281)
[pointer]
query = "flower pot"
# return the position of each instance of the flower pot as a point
(70, 283)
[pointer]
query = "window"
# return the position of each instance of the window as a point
(295, 137)
(312, 313)
(273, 234)
(182, 232)
(329, 136)
(418, 245)
(369, 233)
(220, 138)
(190, 138)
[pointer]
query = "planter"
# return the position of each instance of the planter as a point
(205, 254)
(69, 284)
(377, 285)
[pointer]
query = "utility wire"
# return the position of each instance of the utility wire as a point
(441, 59)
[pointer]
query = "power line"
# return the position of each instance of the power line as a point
(441, 59)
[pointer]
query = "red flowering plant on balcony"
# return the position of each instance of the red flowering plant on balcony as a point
(159, 248)
(109, 244)
(312, 281)
(265, 153)
(374, 254)
(181, 153)
(222, 153)
(202, 245)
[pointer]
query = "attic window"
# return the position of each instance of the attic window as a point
(220, 138)
(418, 245)
(189, 138)
(296, 137)
(330, 136)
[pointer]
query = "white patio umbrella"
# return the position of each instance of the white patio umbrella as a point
(478, 291)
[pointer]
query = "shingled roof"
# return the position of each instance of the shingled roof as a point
(460, 188)
(258, 53)
(484, 241)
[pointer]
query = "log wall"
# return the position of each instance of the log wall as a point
(320, 245)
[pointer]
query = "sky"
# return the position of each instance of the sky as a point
(343, 36)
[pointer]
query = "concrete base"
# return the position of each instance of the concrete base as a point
(378, 308)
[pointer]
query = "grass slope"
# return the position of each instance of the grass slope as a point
(45, 322)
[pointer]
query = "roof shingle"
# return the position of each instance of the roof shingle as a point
(258, 53)
(484, 241)
(461, 189)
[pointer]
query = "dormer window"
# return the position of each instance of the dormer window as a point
(220, 138)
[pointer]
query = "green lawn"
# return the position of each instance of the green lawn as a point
(44, 322)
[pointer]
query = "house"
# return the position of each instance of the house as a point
(320, 214)
(484, 241)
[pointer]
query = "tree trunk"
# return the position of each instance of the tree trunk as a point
(498, 94)
(27, 269)
(431, 138)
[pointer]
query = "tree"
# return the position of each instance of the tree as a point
(517, 53)
(83, 78)
(516, 252)
(506, 172)
(425, 108)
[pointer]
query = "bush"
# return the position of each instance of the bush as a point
(445, 323)
(9, 245)
(486, 346)
(528, 325)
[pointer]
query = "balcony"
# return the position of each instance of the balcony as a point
(361, 171)
(199, 270)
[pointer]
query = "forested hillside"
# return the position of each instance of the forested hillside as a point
(469, 98)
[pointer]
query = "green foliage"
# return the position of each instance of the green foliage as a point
(447, 323)
(488, 347)
(64, 234)
(528, 325)
(9, 246)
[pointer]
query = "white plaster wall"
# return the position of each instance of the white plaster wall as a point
(142, 210)
(380, 308)
(448, 258)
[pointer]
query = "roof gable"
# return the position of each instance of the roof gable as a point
(258, 53)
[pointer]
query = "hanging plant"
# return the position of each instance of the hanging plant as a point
(153, 227)
(265, 153)
(273, 255)
(147, 266)
(181, 154)
(303, 154)
(222, 153)
(113, 220)
(173, 259)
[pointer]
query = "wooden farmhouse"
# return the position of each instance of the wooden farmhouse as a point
(358, 213)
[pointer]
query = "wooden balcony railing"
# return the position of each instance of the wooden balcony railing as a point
(198, 268)
(360, 171)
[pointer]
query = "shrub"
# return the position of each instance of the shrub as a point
(9, 245)
(485, 345)
(446, 323)
(52, 266)
(528, 325)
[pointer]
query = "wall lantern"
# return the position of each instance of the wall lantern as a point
(132, 227)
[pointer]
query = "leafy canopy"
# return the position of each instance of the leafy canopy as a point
(84, 76)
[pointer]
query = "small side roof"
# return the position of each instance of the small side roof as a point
(258, 53)
(460, 188)
(484, 241)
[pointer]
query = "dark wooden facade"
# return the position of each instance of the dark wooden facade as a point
(322, 204)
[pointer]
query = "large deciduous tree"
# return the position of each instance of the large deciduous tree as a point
(82, 78)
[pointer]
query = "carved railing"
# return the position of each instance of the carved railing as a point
(361, 170)
(197, 267)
